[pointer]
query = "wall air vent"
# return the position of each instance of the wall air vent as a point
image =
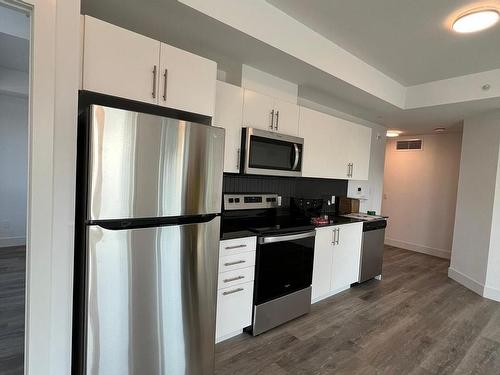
(409, 145)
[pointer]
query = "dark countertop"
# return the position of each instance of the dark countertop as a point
(339, 220)
(237, 228)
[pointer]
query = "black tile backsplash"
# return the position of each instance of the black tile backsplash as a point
(287, 187)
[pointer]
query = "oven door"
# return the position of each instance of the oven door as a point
(270, 153)
(284, 265)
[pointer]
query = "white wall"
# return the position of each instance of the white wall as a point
(475, 258)
(54, 90)
(13, 169)
(492, 284)
(420, 190)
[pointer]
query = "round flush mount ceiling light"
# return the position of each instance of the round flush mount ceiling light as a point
(440, 130)
(476, 20)
(393, 133)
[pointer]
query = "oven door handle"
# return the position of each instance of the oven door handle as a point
(291, 237)
(296, 161)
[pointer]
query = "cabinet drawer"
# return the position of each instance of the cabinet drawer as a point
(234, 262)
(234, 309)
(235, 277)
(237, 246)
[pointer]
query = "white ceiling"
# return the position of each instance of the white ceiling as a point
(182, 26)
(409, 40)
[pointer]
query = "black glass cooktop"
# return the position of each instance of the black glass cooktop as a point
(267, 225)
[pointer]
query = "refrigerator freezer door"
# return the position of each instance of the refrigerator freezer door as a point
(144, 166)
(151, 300)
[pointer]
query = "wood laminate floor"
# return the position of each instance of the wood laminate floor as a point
(415, 321)
(12, 286)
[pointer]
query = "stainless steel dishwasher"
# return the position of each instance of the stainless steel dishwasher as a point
(372, 250)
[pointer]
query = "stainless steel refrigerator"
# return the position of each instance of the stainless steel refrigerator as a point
(151, 231)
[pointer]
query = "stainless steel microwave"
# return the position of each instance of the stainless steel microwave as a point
(270, 153)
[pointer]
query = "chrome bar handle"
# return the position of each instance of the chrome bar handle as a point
(334, 231)
(234, 279)
(233, 291)
(235, 247)
(154, 82)
(272, 120)
(273, 239)
(348, 170)
(165, 78)
(234, 263)
(296, 161)
(277, 120)
(352, 169)
(238, 156)
(338, 235)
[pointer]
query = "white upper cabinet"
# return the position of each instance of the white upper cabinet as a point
(119, 62)
(286, 117)
(324, 145)
(333, 147)
(360, 147)
(122, 63)
(187, 81)
(264, 112)
(258, 111)
(229, 115)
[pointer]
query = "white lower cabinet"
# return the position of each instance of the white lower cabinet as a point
(337, 256)
(235, 286)
(234, 310)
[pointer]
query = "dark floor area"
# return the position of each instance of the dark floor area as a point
(415, 321)
(12, 294)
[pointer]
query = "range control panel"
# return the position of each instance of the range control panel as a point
(251, 201)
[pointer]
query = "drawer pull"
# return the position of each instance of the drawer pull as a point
(233, 263)
(233, 291)
(235, 247)
(234, 279)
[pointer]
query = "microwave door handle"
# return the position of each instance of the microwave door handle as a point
(296, 160)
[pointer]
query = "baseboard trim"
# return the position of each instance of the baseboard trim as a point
(12, 241)
(466, 281)
(491, 293)
(441, 253)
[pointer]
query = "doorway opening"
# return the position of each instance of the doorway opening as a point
(15, 33)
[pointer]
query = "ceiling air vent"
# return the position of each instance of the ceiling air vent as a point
(409, 145)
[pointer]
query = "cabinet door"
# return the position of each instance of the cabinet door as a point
(119, 62)
(187, 81)
(346, 256)
(340, 147)
(322, 268)
(286, 117)
(258, 111)
(361, 140)
(234, 310)
(325, 154)
(229, 115)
